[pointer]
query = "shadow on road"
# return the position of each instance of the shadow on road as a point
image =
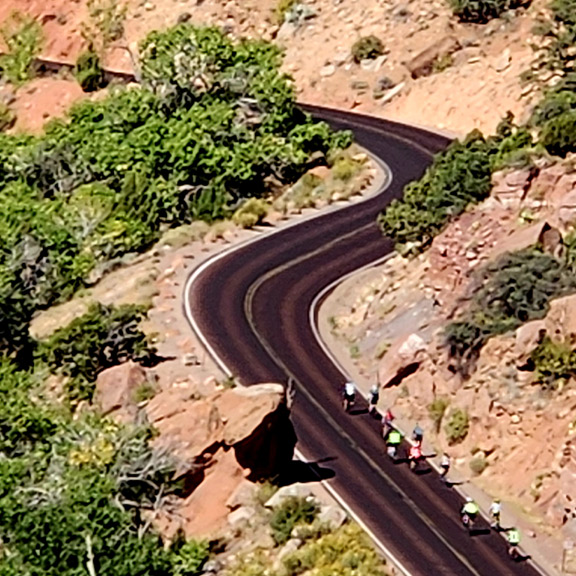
(298, 471)
(358, 411)
(480, 532)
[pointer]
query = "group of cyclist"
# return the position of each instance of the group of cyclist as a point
(393, 439)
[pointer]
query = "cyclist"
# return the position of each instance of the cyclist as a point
(349, 395)
(469, 513)
(417, 433)
(374, 397)
(445, 465)
(495, 510)
(513, 537)
(415, 456)
(387, 423)
(393, 441)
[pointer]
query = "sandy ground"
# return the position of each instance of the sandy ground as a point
(475, 90)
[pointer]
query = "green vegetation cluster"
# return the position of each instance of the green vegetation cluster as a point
(508, 292)
(367, 48)
(554, 363)
(519, 286)
(100, 339)
(213, 122)
(458, 177)
(76, 490)
(481, 11)
(22, 36)
(345, 551)
(457, 426)
(291, 512)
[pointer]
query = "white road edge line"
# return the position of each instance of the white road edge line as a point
(222, 365)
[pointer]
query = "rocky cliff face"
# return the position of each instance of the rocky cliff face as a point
(520, 432)
(220, 437)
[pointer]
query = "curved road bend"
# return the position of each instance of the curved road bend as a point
(252, 306)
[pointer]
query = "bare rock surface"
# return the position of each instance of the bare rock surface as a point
(437, 83)
(116, 388)
(423, 63)
(245, 419)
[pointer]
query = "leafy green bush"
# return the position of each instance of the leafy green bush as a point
(457, 426)
(251, 213)
(458, 177)
(478, 464)
(75, 487)
(558, 135)
(436, 410)
(291, 512)
(481, 11)
(88, 71)
(26, 419)
(114, 175)
(554, 363)
(22, 36)
(514, 289)
(101, 338)
(188, 557)
(7, 117)
(367, 48)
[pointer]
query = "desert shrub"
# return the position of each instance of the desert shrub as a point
(554, 363)
(188, 557)
(283, 7)
(265, 491)
(558, 135)
(442, 63)
(105, 23)
(292, 511)
(514, 289)
(367, 48)
(478, 464)
(481, 11)
(22, 36)
(457, 177)
(556, 102)
(251, 213)
(457, 426)
(345, 168)
(7, 117)
(346, 551)
(88, 71)
(145, 391)
(436, 410)
(101, 338)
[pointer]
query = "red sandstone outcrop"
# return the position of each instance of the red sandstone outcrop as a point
(116, 389)
(218, 439)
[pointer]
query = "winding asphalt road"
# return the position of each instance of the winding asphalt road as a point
(252, 307)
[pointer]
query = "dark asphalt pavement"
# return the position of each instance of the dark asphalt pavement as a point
(253, 308)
